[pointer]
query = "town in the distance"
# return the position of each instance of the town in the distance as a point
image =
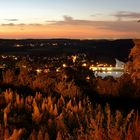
(48, 55)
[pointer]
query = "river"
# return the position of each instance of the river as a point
(114, 74)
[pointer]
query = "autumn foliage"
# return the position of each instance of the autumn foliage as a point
(37, 117)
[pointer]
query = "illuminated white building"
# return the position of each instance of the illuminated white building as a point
(119, 64)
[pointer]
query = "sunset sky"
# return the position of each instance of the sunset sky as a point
(70, 19)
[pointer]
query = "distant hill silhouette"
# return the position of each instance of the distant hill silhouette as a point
(99, 50)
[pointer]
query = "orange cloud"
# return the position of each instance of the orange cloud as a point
(72, 28)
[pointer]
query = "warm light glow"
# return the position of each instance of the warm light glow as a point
(38, 71)
(74, 57)
(18, 45)
(58, 69)
(87, 78)
(93, 68)
(24, 66)
(109, 68)
(64, 65)
(84, 64)
(4, 57)
(103, 68)
(46, 71)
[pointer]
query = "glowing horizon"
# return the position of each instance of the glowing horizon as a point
(69, 19)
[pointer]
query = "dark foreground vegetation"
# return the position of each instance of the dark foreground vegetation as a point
(68, 105)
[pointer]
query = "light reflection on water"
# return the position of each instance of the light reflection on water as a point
(114, 74)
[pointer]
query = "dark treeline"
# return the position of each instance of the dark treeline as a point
(98, 50)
